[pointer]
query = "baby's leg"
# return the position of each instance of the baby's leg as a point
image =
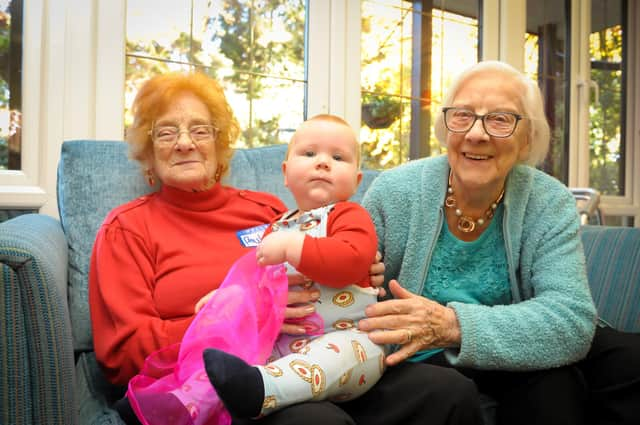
(238, 384)
(338, 366)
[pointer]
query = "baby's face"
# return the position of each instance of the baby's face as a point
(322, 165)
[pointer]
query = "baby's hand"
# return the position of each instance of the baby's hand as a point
(203, 301)
(280, 247)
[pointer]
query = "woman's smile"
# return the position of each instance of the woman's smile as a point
(476, 157)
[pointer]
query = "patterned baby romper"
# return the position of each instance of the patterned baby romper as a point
(335, 360)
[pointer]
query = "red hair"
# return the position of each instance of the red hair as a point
(156, 95)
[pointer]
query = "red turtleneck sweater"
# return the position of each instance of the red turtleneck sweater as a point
(154, 258)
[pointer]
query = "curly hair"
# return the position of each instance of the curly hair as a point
(155, 96)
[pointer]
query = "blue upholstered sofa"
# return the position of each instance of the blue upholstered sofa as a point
(49, 374)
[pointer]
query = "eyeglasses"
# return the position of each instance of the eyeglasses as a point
(170, 134)
(496, 124)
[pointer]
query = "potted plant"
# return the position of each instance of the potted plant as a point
(380, 110)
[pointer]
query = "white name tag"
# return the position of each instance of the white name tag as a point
(252, 236)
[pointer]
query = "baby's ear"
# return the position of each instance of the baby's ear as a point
(358, 178)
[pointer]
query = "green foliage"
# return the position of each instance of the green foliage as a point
(387, 147)
(383, 144)
(384, 129)
(380, 111)
(262, 132)
(605, 143)
(5, 28)
(4, 153)
(183, 49)
(256, 48)
(243, 30)
(5, 39)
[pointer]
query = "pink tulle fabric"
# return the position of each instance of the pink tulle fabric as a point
(243, 317)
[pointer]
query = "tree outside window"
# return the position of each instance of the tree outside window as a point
(10, 84)
(409, 53)
(254, 48)
(606, 126)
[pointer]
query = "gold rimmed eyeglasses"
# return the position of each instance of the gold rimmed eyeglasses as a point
(169, 134)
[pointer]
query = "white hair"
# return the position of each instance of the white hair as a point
(531, 101)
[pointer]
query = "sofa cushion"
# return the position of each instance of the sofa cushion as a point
(95, 393)
(96, 176)
(93, 178)
(613, 268)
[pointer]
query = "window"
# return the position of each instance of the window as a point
(254, 48)
(10, 84)
(594, 115)
(407, 51)
(607, 107)
(30, 105)
(321, 56)
(547, 62)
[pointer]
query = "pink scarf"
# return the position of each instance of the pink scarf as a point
(243, 317)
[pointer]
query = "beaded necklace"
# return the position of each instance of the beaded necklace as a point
(467, 224)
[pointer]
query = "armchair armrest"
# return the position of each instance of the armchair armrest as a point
(35, 342)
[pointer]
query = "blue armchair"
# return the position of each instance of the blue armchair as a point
(49, 372)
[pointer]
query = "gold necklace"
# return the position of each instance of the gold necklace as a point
(465, 223)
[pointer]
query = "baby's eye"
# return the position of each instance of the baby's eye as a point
(337, 157)
(309, 153)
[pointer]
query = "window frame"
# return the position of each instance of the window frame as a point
(581, 90)
(333, 59)
(28, 187)
(74, 73)
(72, 87)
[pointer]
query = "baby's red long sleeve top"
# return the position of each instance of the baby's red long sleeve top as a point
(154, 258)
(344, 256)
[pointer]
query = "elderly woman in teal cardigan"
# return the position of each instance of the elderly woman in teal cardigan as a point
(485, 264)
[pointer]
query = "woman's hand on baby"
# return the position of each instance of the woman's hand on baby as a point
(412, 321)
(280, 247)
(376, 274)
(300, 303)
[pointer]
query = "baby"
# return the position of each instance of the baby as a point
(332, 242)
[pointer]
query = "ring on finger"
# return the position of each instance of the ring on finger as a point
(409, 335)
(307, 283)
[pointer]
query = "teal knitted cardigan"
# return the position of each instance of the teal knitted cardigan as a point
(551, 321)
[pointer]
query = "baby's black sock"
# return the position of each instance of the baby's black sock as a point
(239, 385)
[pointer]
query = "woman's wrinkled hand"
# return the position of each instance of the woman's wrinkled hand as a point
(300, 303)
(376, 274)
(411, 321)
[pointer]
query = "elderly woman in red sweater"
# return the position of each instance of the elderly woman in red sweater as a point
(155, 257)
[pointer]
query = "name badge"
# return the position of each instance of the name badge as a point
(252, 236)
